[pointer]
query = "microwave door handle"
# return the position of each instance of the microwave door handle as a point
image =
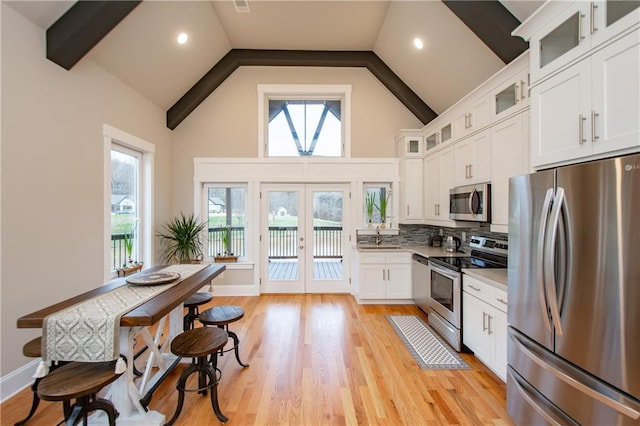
(471, 195)
(550, 259)
(540, 258)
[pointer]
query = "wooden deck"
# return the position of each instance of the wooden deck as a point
(322, 269)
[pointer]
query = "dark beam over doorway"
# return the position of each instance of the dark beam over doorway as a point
(296, 58)
(493, 24)
(82, 27)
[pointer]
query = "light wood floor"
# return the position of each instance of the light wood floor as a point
(321, 359)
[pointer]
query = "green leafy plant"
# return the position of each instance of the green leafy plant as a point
(128, 242)
(370, 204)
(180, 239)
(226, 237)
(382, 206)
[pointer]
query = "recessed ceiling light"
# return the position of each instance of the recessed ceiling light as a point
(182, 38)
(418, 43)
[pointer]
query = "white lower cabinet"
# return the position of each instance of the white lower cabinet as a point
(384, 275)
(484, 323)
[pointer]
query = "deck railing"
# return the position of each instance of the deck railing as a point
(283, 243)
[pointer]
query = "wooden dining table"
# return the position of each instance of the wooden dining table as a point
(131, 394)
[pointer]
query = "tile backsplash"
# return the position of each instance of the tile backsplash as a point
(421, 234)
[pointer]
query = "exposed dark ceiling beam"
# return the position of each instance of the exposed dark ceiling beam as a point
(493, 24)
(296, 58)
(82, 27)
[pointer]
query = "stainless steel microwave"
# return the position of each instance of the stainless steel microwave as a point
(470, 203)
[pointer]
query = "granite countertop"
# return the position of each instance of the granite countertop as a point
(421, 249)
(496, 277)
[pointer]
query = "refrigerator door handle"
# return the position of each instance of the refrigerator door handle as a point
(540, 259)
(549, 259)
(610, 402)
(520, 387)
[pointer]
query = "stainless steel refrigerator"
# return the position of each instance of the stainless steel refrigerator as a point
(574, 295)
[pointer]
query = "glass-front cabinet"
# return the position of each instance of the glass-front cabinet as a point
(510, 96)
(409, 143)
(439, 133)
(574, 28)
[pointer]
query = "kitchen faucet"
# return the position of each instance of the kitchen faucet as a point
(378, 236)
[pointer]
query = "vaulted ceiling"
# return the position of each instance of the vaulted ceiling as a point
(465, 42)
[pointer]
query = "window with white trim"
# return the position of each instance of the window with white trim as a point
(226, 219)
(128, 201)
(304, 120)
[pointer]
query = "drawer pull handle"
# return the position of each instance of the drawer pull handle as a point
(473, 288)
(501, 300)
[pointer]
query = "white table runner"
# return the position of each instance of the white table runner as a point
(89, 331)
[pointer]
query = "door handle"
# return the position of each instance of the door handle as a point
(581, 120)
(484, 320)
(540, 258)
(522, 95)
(593, 28)
(576, 384)
(594, 115)
(516, 90)
(489, 332)
(549, 260)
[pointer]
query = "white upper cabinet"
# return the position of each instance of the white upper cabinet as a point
(473, 114)
(409, 143)
(509, 158)
(510, 95)
(438, 180)
(590, 108)
(585, 73)
(615, 96)
(561, 32)
(438, 132)
(473, 159)
(411, 192)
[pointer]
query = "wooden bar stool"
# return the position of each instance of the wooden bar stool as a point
(222, 316)
(80, 381)
(33, 349)
(192, 304)
(200, 343)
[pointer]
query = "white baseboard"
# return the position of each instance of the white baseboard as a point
(235, 290)
(17, 380)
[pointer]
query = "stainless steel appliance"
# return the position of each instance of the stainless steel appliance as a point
(574, 295)
(470, 203)
(452, 244)
(444, 306)
(419, 279)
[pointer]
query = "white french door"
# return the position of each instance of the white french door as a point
(303, 238)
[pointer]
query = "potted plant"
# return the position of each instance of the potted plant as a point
(180, 239)
(382, 208)
(370, 204)
(227, 255)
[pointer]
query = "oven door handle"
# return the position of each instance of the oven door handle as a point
(443, 271)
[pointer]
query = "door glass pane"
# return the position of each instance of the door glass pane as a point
(283, 235)
(327, 235)
(617, 9)
(561, 40)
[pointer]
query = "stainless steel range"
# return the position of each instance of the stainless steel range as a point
(444, 306)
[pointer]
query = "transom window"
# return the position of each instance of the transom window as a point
(305, 128)
(304, 120)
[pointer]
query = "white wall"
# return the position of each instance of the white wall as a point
(52, 175)
(226, 124)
